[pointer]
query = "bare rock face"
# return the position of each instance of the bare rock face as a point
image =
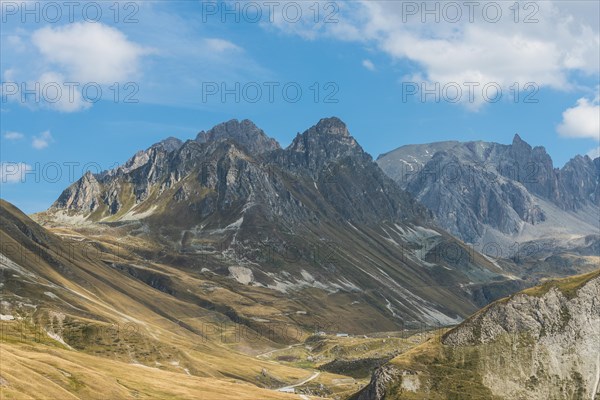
(539, 344)
(382, 378)
(540, 316)
(579, 182)
(81, 196)
(479, 190)
(243, 132)
(550, 340)
(466, 199)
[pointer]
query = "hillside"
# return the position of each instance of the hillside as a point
(88, 317)
(541, 343)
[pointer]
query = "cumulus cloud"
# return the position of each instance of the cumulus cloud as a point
(42, 141)
(60, 95)
(11, 172)
(61, 60)
(50, 90)
(581, 121)
(368, 64)
(564, 40)
(13, 136)
(90, 52)
(105, 53)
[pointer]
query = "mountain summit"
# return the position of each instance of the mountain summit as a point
(331, 126)
(244, 132)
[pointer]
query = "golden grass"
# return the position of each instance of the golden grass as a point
(31, 371)
(568, 286)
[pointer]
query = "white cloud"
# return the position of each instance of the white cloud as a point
(175, 56)
(581, 121)
(51, 90)
(11, 172)
(61, 60)
(42, 141)
(306, 19)
(220, 45)
(594, 153)
(59, 95)
(565, 40)
(368, 64)
(90, 52)
(13, 136)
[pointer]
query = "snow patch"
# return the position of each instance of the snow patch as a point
(241, 274)
(58, 338)
(131, 215)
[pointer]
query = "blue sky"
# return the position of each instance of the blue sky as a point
(162, 66)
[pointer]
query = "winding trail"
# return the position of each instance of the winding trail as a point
(268, 353)
(287, 388)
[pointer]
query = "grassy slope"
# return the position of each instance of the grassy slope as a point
(33, 371)
(450, 375)
(568, 286)
(89, 293)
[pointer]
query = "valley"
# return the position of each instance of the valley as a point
(228, 267)
(300, 200)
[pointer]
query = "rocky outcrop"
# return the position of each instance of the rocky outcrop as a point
(466, 200)
(540, 312)
(550, 335)
(382, 378)
(579, 182)
(82, 196)
(539, 344)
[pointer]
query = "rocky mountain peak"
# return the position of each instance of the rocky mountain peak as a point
(169, 144)
(520, 150)
(82, 195)
(244, 132)
(496, 191)
(330, 134)
(331, 126)
(519, 142)
(324, 143)
(579, 160)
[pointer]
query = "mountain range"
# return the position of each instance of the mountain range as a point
(494, 194)
(209, 256)
(317, 215)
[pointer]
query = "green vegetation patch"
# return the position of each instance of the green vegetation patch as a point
(567, 286)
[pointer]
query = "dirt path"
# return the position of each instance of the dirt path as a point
(287, 388)
(276, 350)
